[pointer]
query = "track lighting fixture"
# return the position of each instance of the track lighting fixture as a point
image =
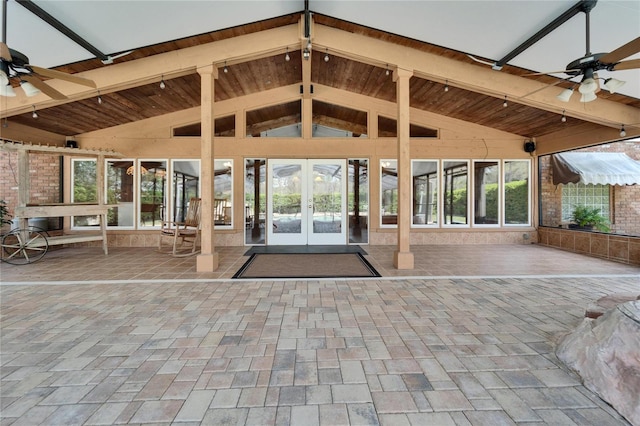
(225, 69)
(29, 89)
(446, 85)
(286, 56)
(505, 104)
(623, 133)
(326, 56)
(162, 84)
(564, 117)
(34, 114)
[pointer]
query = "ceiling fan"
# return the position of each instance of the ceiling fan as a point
(15, 65)
(591, 63)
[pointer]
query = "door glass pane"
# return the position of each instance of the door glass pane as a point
(327, 198)
(255, 200)
(287, 204)
(486, 193)
(358, 201)
(120, 192)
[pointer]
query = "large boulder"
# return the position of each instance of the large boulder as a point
(605, 352)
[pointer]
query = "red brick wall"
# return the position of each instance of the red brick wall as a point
(44, 176)
(626, 199)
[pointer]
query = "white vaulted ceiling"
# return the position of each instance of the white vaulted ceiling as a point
(484, 29)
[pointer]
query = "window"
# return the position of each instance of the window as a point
(153, 191)
(455, 180)
(517, 192)
(486, 194)
(358, 201)
(425, 192)
(84, 189)
(579, 194)
(185, 176)
(223, 193)
(119, 190)
(388, 192)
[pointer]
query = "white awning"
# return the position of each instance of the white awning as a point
(604, 168)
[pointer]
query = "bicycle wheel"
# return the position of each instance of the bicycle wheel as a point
(22, 246)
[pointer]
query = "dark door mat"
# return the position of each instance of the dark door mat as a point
(306, 265)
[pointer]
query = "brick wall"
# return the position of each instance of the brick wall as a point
(626, 199)
(44, 176)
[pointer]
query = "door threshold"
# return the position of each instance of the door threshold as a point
(284, 249)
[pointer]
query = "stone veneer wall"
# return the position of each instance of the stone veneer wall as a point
(619, 248)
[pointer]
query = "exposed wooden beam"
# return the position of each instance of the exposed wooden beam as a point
(470, 77)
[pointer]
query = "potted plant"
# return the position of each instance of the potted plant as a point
(5, 217)
(585, 217)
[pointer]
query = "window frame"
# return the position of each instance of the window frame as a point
(499, 194)
(438, 198)
(134, 190)
(381, 193)
(138, 185)
(72, 219)
(443, 193)
(504, 188)
(223, 162)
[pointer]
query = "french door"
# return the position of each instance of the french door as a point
(307, 202)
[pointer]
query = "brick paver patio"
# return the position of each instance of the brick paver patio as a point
(393, 351)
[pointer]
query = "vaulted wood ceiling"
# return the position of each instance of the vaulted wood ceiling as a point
(253, 76)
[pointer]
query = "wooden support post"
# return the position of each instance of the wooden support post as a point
(403, 258)
(207, 260)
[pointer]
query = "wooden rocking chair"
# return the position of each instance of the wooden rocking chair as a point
(185, 233)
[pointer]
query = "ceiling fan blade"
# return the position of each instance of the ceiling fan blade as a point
(4, 52)
(43, 87)
(551, 72)
(622, 52)
(45, 72)
(627, 65)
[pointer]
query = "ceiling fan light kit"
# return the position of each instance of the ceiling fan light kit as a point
(613, 84)
(7, 90)
(565, 95)
(588, 97)
(29, 89)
